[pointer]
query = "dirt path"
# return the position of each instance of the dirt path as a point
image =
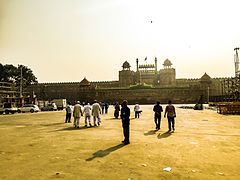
(205, 145)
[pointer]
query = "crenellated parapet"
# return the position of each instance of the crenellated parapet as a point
(105, 84)
(220, 78)
(59, 86)
(188, 79)
(57, 83)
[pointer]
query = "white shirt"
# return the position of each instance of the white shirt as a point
(137, 107)
(87, 110)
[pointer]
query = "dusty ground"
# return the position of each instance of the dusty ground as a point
(205, 145)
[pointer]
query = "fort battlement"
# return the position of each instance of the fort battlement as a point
(103, 82)
(188, 79)
(163, 84)
(57, 83)
(220, 78)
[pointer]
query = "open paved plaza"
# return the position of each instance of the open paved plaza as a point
(205, 145)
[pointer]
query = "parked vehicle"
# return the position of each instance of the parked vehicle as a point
(61, 103)
(8, 108)
(29, 108)
(50, 107)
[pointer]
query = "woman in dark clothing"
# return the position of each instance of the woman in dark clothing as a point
(125, 114)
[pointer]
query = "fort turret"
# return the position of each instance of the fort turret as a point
(167, 74)
(126, 76)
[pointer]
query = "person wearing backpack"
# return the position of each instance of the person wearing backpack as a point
(171, 114)
(68, 113)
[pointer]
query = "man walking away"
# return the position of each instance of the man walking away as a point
(106, 107)
(77, 113)
(68, 113)
(87, 111)
(102, 104)
(125, 114)
(158, 113)
(96, 111)
(171, 114)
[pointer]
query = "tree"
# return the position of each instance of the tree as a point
(1, 73)
(10, 73)
(7, 73)
(27, 76)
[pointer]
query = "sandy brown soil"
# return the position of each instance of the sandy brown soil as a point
(205, 145)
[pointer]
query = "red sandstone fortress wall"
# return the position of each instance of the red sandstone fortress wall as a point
(160, 85)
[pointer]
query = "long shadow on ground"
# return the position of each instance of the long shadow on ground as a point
(164, 135)
(151, 132)
(113, 118)
(51, 124)
(105, 152)
(73, 128)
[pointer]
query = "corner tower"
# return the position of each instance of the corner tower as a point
(167, 74)
(126, 76)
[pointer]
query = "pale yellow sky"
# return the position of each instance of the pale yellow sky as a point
(67, 40)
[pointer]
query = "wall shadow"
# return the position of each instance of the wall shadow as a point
(164, 135)
(151, 132)
(105, 152)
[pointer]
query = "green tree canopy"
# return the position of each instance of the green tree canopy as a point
(12, 74)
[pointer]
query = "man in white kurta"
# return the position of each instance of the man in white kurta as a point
(77, 113)
(96, 111)
(87, 111)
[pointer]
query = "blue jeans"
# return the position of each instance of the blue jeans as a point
(171, 123)
(157, 121)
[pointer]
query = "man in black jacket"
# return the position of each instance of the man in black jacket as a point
(157, 117)
(125, 114)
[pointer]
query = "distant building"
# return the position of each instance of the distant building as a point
(8, 90)
(145, 85)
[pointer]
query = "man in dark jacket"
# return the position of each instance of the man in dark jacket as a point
(158, 113)
(125, 114)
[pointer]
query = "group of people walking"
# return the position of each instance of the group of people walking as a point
(125, 116)
(169, 111)
(88, 111)
(95, 111)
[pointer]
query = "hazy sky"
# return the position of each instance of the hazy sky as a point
(67, 40)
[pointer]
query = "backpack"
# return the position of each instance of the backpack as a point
(171, 111)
